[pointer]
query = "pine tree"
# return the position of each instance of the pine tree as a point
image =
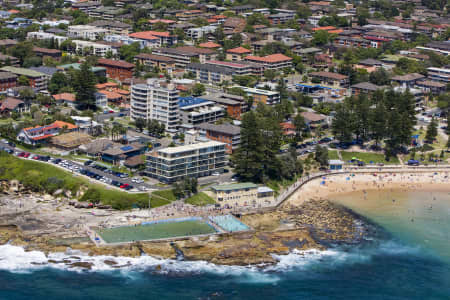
(247, 158)
(84, 86)
(432, 132)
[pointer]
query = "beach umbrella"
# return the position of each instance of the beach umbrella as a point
(348, 178)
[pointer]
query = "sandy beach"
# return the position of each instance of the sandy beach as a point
(327, 186)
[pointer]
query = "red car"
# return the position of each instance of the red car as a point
(26, 155)
(21, 154)
(36, 157)
(123, 186)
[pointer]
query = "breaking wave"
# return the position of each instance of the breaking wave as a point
(16, 259)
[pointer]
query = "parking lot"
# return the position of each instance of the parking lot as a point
(90, 169)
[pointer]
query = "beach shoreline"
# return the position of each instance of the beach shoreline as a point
(327, 186)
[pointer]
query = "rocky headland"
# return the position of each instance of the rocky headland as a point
(50, 225)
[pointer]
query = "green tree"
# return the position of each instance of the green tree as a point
(84, 85)
(140, 124)
(432, 131)
(58, 81)
(341, 127)
(247, 158)
(321, 155)
(300, 126)
(23, 81)
(198, 89)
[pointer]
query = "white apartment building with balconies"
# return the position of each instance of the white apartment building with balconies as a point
(156, 101)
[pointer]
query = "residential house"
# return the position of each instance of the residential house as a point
(10, 105)
(408, 80)
(329, 78)
(313, 119)
(65, 98)
(41, 134)
(234, 25)
(365, 88)
(116, 154)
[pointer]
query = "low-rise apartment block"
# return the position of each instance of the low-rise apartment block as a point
(37, 80)
(225, 133)
(173, 164)
(261, 96)
(194, 111)
(86, 32)
(117, 69)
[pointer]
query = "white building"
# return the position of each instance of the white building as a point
(101, 100)
(198, 32)
(98, 49)
(190, 161)
(153, 101)
(86, 32)
(40, 35)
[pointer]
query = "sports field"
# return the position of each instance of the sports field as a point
(155, 231)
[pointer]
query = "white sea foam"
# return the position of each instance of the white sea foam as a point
(15, 259)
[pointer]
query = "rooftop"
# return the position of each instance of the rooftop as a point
(191, 147)
(234, 186)
(223, 128)
(273, 58)
(22, 71)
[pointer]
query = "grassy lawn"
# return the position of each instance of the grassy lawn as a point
(368, 157)
(166, 194)
(155, 231)
(333, 154)
(200, 199)
(45, 178)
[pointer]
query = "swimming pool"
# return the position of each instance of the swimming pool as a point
(229, 223)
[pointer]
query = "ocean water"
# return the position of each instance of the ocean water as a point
(408, 258)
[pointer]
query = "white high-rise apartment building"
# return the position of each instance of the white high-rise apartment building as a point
(154, 101)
